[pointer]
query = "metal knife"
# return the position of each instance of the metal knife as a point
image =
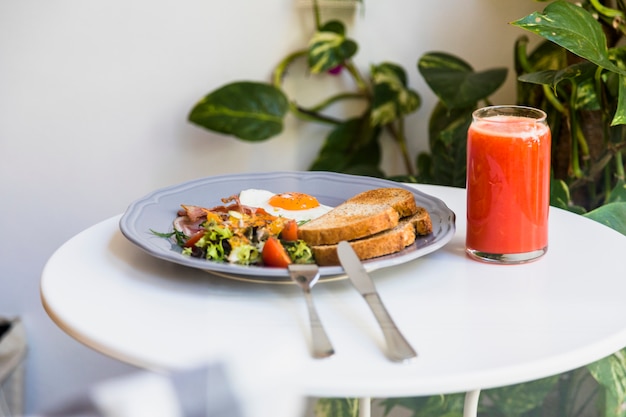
(399, 350)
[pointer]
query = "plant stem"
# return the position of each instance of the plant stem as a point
(307, 114)
(521, 55)
(522, 61)
(575, 165)
(336, 98)
(580, 136)
(317, 15)
(606, 11)
(358, 79)
(281, 69)
(400, 138)
(553, 100)
(612, 151)
(619, 162)
(579, 143)
(302, 113)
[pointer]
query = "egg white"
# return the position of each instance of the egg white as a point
(260, 198)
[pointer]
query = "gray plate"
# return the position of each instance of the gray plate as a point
(157, 210)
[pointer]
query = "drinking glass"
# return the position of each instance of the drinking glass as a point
(508, 184)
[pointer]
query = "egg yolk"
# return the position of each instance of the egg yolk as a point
(293, 201)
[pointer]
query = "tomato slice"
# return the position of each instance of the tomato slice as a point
(194, 238)
(274, 254)
(290, 231)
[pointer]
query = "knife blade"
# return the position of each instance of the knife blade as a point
(399, 350)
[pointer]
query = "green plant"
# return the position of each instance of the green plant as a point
(597, 389)
(578, 75)
(337, 407)
(255, 111)
(575, 78)
(460, 90)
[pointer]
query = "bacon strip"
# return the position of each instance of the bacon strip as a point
(190, 217)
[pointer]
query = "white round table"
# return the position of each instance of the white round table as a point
(474, 325)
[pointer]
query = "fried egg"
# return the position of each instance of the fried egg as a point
(291, 205)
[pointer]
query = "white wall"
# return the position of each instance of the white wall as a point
(93, 102)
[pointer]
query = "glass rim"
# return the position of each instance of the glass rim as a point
(528, 112)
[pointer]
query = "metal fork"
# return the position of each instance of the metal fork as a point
(306, 276)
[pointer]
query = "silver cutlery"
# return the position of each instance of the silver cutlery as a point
(399, 350)
(306, 276)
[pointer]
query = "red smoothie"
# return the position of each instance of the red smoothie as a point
(508, 185)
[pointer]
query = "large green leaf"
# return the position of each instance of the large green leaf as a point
(448, 144)
(450, 405)
(560, 197)
(586, 96)
(612, 215)
(559, 194)
(424, 165)
(618, 193)
(580, 74)
(610, 372)
(455, 82)
(620, 112)
(248, 110)
(329, 48)
(580, 71)
(392, 98)
(573, 28)
(352, 147)
(337, 407)
(518, 400)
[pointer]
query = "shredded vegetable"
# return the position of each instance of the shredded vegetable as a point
(235, 234)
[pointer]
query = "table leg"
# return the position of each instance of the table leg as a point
(365, 407)
(470, 407)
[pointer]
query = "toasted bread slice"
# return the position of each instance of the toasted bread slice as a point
(365, 214)
(400, 199)
(383, 243)
(422, 222)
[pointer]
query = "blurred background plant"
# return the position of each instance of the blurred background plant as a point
(255, 111)
(578, 76)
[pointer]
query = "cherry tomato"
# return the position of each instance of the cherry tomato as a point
(290, 231)
(274, 254)
(194, 238)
